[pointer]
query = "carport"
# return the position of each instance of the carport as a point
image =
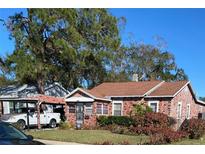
(38, 100)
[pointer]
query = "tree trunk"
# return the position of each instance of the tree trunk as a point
(40, 85)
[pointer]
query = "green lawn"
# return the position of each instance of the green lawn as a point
(87, 136)
(191, 142)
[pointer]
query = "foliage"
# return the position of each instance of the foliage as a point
(202, 98)
(17, 125)
(65, 125)
(149, 62)
(153, 119)
(194, 127)
(156, 120)
(118, 129)
(118, 120)
(71, 46)
(141, 109)
(166, 137)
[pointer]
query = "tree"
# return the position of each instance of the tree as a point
(72, 46)
(202, 98)
(148, 62)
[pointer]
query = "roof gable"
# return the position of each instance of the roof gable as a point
(168, 89)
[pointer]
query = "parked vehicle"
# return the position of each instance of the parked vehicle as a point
(9, 135)
(46, 119)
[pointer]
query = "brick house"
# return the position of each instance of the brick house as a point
(176, 99)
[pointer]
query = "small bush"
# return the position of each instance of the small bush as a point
(125, 142)
(119, 129)
(158, 120)
(65, 125)
(194, 127)
(105, 143)
(17, 125)
(118, 120)
(166, 136)
(141, 110)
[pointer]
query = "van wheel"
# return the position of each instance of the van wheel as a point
(21, 124)
(52, 123)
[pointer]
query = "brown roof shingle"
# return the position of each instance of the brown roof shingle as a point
(168, 88)
(123, 88)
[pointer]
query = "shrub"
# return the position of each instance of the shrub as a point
(125, 142)
(119, 129)
(158, 120)
(141, 110)
(118, 120)
(194, 127)
(166, 136)
(65, 125)
(17, 125)
(105, 143)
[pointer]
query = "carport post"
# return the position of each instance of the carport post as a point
(38, 115)
(28, 112)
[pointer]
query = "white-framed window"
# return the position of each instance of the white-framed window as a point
(154, 105)
(188, 111)
(179, 110)
(117, 108)
(102, 109)
(88, 108)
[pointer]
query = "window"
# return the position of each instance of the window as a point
(102, 109)
(88, 108)
(71, 108)
(117, 108)
(188, 111)
(179, 112)
(154, 106)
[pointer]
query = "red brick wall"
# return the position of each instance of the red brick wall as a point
(166, 105)
(185, 97)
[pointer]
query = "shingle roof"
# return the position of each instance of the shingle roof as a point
(20, 91)
(47, 99)
(124, 88)
(168, 88)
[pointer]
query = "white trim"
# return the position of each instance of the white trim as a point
(124, 96)
(199, 101)
(102, 106)
(117, 102)
(79, 99)
(154, 88)
(79, 89)
(159, 96)
(179, 103)
(189, 111)
(157, 102)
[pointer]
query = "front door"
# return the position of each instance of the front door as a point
(79, 115)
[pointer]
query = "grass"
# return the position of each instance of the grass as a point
(87, 136)
(191, 142)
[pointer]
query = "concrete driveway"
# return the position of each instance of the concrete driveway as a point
(49, 142)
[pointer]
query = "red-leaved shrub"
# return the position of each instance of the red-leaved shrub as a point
(194, 127)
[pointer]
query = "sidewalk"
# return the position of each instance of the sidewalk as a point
(49, 142)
